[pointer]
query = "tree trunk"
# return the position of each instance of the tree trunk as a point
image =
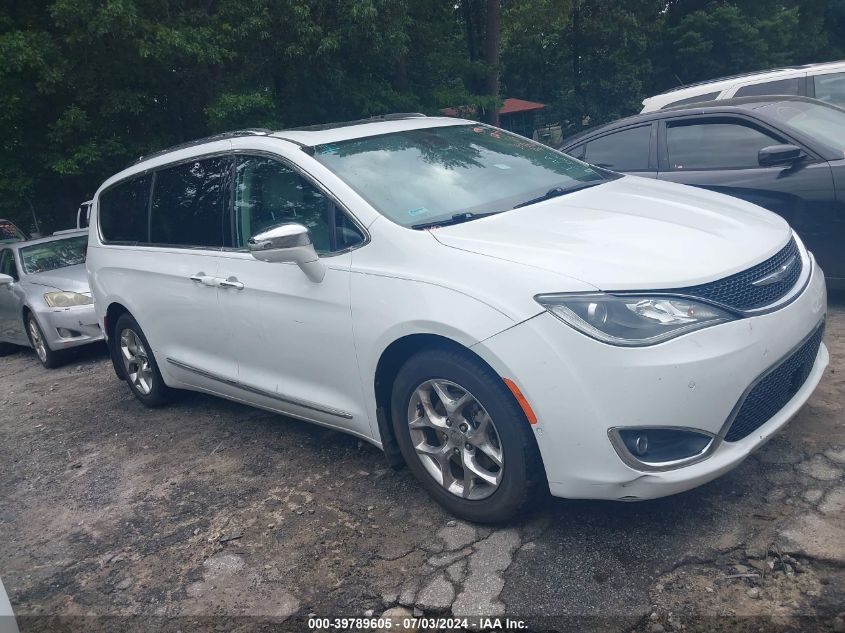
(491, 55)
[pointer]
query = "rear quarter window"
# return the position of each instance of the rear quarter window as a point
(123, 211)
(779, 87)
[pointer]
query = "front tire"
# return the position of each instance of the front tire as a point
(464, 436)
(48, 357)
(139, 366)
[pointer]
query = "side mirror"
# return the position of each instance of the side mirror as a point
(779, 155)
(288, 242)
(6, 280)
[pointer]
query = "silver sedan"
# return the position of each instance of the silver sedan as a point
(45, 301)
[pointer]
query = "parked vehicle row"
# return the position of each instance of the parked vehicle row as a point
(786, 154)
(502, 318)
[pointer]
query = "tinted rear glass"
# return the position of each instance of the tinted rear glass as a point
(623, 151)
(123, 211)
(779, 87)
(189, 204)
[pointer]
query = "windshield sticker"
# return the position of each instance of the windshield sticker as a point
(417, 211)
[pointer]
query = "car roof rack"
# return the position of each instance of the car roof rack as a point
(395, 116)
(748, 74)
(206, 139)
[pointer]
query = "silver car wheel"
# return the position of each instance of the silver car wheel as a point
(37, 340)
(455, 439)
(136, 361)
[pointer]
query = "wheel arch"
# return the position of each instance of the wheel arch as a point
(390, 361)
(113, 313)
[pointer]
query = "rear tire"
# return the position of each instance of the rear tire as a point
(46, 356)
(139, 365)
(465, 437)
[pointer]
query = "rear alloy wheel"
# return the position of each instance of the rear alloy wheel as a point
(464, 436)
(139, 366)
(48, 357)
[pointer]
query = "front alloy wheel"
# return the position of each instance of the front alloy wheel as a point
(456, 439)
(464, 436)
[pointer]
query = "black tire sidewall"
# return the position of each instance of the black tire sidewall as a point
(160, 393)
(519, 481)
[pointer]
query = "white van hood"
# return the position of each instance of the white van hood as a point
(629, 234)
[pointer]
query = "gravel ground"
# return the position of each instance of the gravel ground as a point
(208, 515)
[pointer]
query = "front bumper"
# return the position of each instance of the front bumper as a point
(579, 388)
(78, 326)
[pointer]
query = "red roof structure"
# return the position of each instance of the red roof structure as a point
(509, 106)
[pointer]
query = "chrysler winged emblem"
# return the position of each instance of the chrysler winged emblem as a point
(778, 274)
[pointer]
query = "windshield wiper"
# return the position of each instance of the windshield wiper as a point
(457, 218)
(554, 192)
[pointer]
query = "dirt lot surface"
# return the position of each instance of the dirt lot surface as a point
(209, 515)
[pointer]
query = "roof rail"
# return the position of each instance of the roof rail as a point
(396, 116)
(207, 139)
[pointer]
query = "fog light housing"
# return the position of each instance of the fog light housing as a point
(661, 448)
(66, 333)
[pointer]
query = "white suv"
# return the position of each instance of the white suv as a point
(497, 315)
(825, 82)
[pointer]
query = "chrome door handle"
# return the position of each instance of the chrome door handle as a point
(231, 282)
(205, 280)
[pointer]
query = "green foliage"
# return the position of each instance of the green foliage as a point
(88, 85)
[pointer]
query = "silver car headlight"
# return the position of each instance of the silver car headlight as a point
(62, 299)
(632, 320)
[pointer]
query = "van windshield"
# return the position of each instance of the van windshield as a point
(416, 177)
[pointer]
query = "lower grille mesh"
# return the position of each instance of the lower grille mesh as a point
(775, 389)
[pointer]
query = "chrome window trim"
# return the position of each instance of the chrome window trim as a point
(261, 392)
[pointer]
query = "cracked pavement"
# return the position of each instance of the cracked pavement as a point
(209, 508)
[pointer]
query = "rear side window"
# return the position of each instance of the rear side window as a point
(709, 96)
(779, 87)
(830, 88)
(123, 211)
(623, 151)
(715, 145)
(189, 204)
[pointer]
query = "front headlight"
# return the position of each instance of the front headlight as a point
(632, 320)
(67, 299)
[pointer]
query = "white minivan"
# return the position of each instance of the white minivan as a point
(501, 317)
